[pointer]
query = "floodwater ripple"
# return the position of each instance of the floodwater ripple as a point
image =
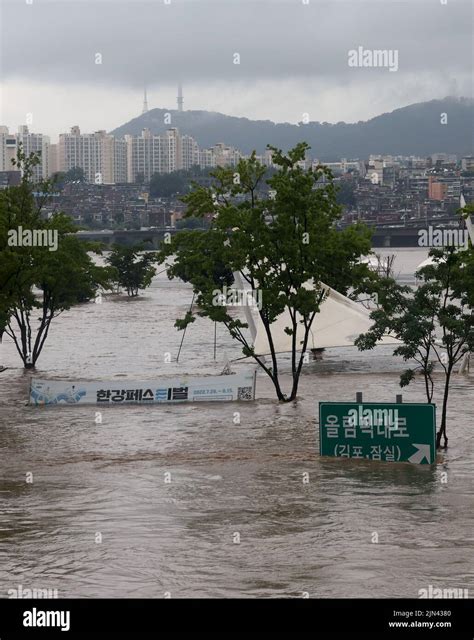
(236, 518)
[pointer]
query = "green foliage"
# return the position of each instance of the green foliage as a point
(346, 192)
(131, 270)
(277, 244)
(34, 280)
(166, 185)
(192, 223)
(434, 322)
(75, 174)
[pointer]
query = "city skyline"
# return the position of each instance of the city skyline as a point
(107, 158)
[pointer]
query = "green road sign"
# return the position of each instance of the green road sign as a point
(397, 432)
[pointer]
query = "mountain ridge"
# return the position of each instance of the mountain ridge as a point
(412, 130)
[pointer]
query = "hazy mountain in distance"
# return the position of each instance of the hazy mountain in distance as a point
(413, 130)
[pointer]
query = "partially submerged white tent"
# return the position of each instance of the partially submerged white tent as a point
(337, 324)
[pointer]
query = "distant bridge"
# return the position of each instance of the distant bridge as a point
(396, 236)
(150, 238)
(384, 235)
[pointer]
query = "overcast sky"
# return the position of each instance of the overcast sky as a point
(293, 58)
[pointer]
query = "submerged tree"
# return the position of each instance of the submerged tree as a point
(278, 233)
(44, 268)
(434, 322)
(132, 270)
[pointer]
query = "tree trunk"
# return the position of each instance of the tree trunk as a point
(276, 383)
(281, 397)
(442, 430)
(297, 373)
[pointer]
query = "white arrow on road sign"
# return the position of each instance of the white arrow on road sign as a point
(423, 452)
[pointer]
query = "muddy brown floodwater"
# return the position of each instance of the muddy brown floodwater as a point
(177, 537)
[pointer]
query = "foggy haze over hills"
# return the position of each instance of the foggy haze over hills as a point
(412, 130)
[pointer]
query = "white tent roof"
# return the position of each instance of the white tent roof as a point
(339, 322)
(425, 263)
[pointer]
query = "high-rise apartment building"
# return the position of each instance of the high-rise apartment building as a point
(30, 143)
(8, 149)
(78, 150)
(140, 156)
(112, 160)
(207, 158)
(189, 152)
(171, 154)
(106, 159)
(35, 143)
(148, 154)
(53, 160)
(220, 155)
(226, 156)
(101, 156)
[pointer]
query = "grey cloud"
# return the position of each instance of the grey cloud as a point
(152, 42)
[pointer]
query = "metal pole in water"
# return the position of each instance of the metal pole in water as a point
(215, 338)
(184, 332)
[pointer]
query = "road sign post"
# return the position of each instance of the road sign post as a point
(390, 432)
